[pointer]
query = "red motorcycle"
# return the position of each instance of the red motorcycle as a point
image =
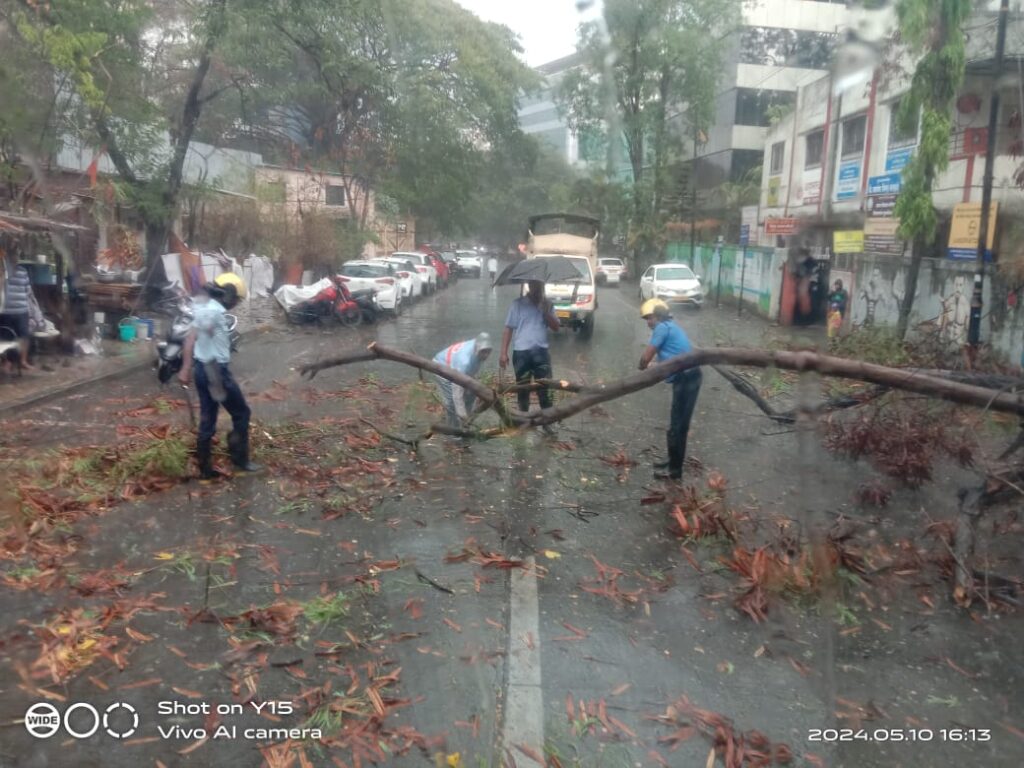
(350, 308)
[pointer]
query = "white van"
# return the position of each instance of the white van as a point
(575, 238)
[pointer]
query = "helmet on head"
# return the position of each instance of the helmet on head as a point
(228, 288)
(483, 341)
(655, 307)
(226, 279)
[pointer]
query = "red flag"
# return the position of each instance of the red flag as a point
(93, 170)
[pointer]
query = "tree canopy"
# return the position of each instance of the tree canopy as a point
(409, 97)
(649, 73)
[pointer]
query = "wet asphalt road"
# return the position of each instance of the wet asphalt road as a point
(492, 664)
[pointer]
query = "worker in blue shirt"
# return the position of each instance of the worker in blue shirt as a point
(209, 346)
(667, 341)
(465, 357)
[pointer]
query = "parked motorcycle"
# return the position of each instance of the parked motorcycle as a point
(350, 308)
(170, 351)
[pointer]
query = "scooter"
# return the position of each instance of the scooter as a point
(170, 351)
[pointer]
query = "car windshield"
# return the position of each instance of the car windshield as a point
(365, 270)
(801, 545)
(674, 273)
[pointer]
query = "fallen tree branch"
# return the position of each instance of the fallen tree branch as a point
(375, 351)
(748, 390)
(589, 396)
(414, 443)
(895, 378)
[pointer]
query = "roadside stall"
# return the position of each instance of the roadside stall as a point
(40, 245)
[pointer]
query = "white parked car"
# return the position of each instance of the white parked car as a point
(610, 270)
(409, 277)
(671, 283)
(381, 278)
(468, 263)
(423, 265)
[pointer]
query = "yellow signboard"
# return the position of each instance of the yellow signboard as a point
(849, 241)
(774, 184)
(966, 225)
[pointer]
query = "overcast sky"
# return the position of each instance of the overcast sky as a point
(546, 28)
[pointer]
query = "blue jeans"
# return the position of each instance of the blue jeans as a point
(685, 389)
(532, 364)
(234, 404)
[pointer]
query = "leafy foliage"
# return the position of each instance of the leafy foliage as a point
(657, 60)
(933, 29)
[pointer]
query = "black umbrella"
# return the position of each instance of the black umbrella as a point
(549, 269)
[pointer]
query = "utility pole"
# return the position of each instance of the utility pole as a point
(693, 202)
(974, 327)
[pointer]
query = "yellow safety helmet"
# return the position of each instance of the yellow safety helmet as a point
(225, 279)
(651, 307)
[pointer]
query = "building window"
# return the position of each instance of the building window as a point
(814, 149)
(335, 195)
(752, 105)
(853, 136)
(901, 136)
(778, 47)
(778, 156)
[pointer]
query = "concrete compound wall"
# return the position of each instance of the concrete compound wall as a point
(758, 285)
(876, 285)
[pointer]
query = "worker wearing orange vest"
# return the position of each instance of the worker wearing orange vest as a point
(465, 357)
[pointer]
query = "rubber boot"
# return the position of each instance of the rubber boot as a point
(204, 457)
(238, 447)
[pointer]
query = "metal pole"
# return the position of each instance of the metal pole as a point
(974, 327)
(718, 282)
(743, 279)
(693, 205)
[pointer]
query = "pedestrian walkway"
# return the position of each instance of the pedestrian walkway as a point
(57, 374)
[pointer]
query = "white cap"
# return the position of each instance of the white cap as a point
(483, 341)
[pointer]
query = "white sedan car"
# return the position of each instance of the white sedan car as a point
(382, 279)
(468, 263)
(409, 277)
(671, 283)
(423, 265)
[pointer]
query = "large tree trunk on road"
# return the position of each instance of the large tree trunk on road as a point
(590, 396)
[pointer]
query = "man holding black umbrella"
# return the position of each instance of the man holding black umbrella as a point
(526, 329)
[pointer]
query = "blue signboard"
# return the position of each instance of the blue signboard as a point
(744, 234)
(897, 159)
(889, 184)
(849, 180)
(967, 254)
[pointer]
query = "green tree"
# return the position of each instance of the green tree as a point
(650, 72)
(933, 30)
(137, 79)
(403, 96)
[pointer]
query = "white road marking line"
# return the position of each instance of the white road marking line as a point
(524, 701)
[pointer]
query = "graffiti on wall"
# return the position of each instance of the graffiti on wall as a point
(878, 299)
(956, 312)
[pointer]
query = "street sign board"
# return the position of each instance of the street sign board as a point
(889, 184)
(781, 226)
(897, 159)
(849, 241)
(965, 228)
(744, 234)
(881, 235)
(880, 205)
(848, 184)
